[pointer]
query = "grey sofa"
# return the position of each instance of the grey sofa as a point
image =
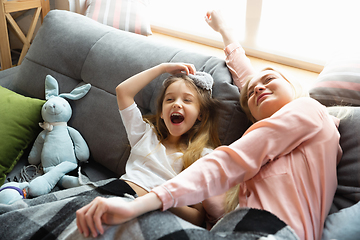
(76, 50)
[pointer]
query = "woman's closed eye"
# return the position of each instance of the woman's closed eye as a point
(269, 79)
(266, 80)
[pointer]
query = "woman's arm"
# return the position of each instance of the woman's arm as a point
(237, 62)
(126, 91)
(194, 214)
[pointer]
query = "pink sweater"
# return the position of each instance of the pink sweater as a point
(286, 164)
(238, 64)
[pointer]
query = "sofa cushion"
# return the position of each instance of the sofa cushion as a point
(348, 170)
(339, 82)
(338, 85)
(19, 126)
(128, 15)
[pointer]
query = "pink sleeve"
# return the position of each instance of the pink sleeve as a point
(238, 64)
(226, 166)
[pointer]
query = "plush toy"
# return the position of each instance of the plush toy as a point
(58, 146)
(12, 191)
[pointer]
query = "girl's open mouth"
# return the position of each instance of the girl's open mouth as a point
(176, 118)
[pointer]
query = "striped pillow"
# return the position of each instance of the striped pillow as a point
(339, 82)
(127, 15)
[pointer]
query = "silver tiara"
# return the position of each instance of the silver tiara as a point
(203, 80)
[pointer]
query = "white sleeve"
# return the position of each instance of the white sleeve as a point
(206, 151)
(133, 122)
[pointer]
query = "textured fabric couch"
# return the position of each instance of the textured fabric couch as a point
(76, 50)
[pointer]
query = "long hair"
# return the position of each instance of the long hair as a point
(232, 195)
(203, 133)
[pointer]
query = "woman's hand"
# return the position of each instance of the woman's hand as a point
(215, 20)
(100, 211)
(176, 68)
(111, 211)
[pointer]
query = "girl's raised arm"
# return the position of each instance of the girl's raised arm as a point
(126, 91)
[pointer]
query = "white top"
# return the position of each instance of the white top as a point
(148, 165)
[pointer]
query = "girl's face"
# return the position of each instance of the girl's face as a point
(267, 92)
(180, 108)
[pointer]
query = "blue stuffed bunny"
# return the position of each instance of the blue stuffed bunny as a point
(58, 147)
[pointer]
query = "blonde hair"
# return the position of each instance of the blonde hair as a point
(340, 112)
(203, 133)
(232, 195)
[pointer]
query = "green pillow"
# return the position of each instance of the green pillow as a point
(19, 126)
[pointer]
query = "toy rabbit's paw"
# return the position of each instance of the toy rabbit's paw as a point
(12, 192)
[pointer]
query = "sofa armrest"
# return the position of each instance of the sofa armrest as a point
(7, 76)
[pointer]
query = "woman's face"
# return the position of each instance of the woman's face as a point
(267, 92)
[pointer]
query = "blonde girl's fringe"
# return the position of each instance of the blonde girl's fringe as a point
(232, 198)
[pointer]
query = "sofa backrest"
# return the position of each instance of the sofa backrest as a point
(77, 50)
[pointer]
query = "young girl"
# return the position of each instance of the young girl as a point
(183, 129)
(284, 163)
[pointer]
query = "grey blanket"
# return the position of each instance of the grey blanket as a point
(52, 216)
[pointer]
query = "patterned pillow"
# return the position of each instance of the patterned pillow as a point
(127, 15)
(339, 82)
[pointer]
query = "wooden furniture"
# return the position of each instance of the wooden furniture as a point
(8, 7)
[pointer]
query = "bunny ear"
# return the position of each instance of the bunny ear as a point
(51, 87)
(77, 93)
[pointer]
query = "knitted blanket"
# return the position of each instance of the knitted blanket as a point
(52, 216)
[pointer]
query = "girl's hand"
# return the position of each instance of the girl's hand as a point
(101, 211)
(215, 20)
(176, 68)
